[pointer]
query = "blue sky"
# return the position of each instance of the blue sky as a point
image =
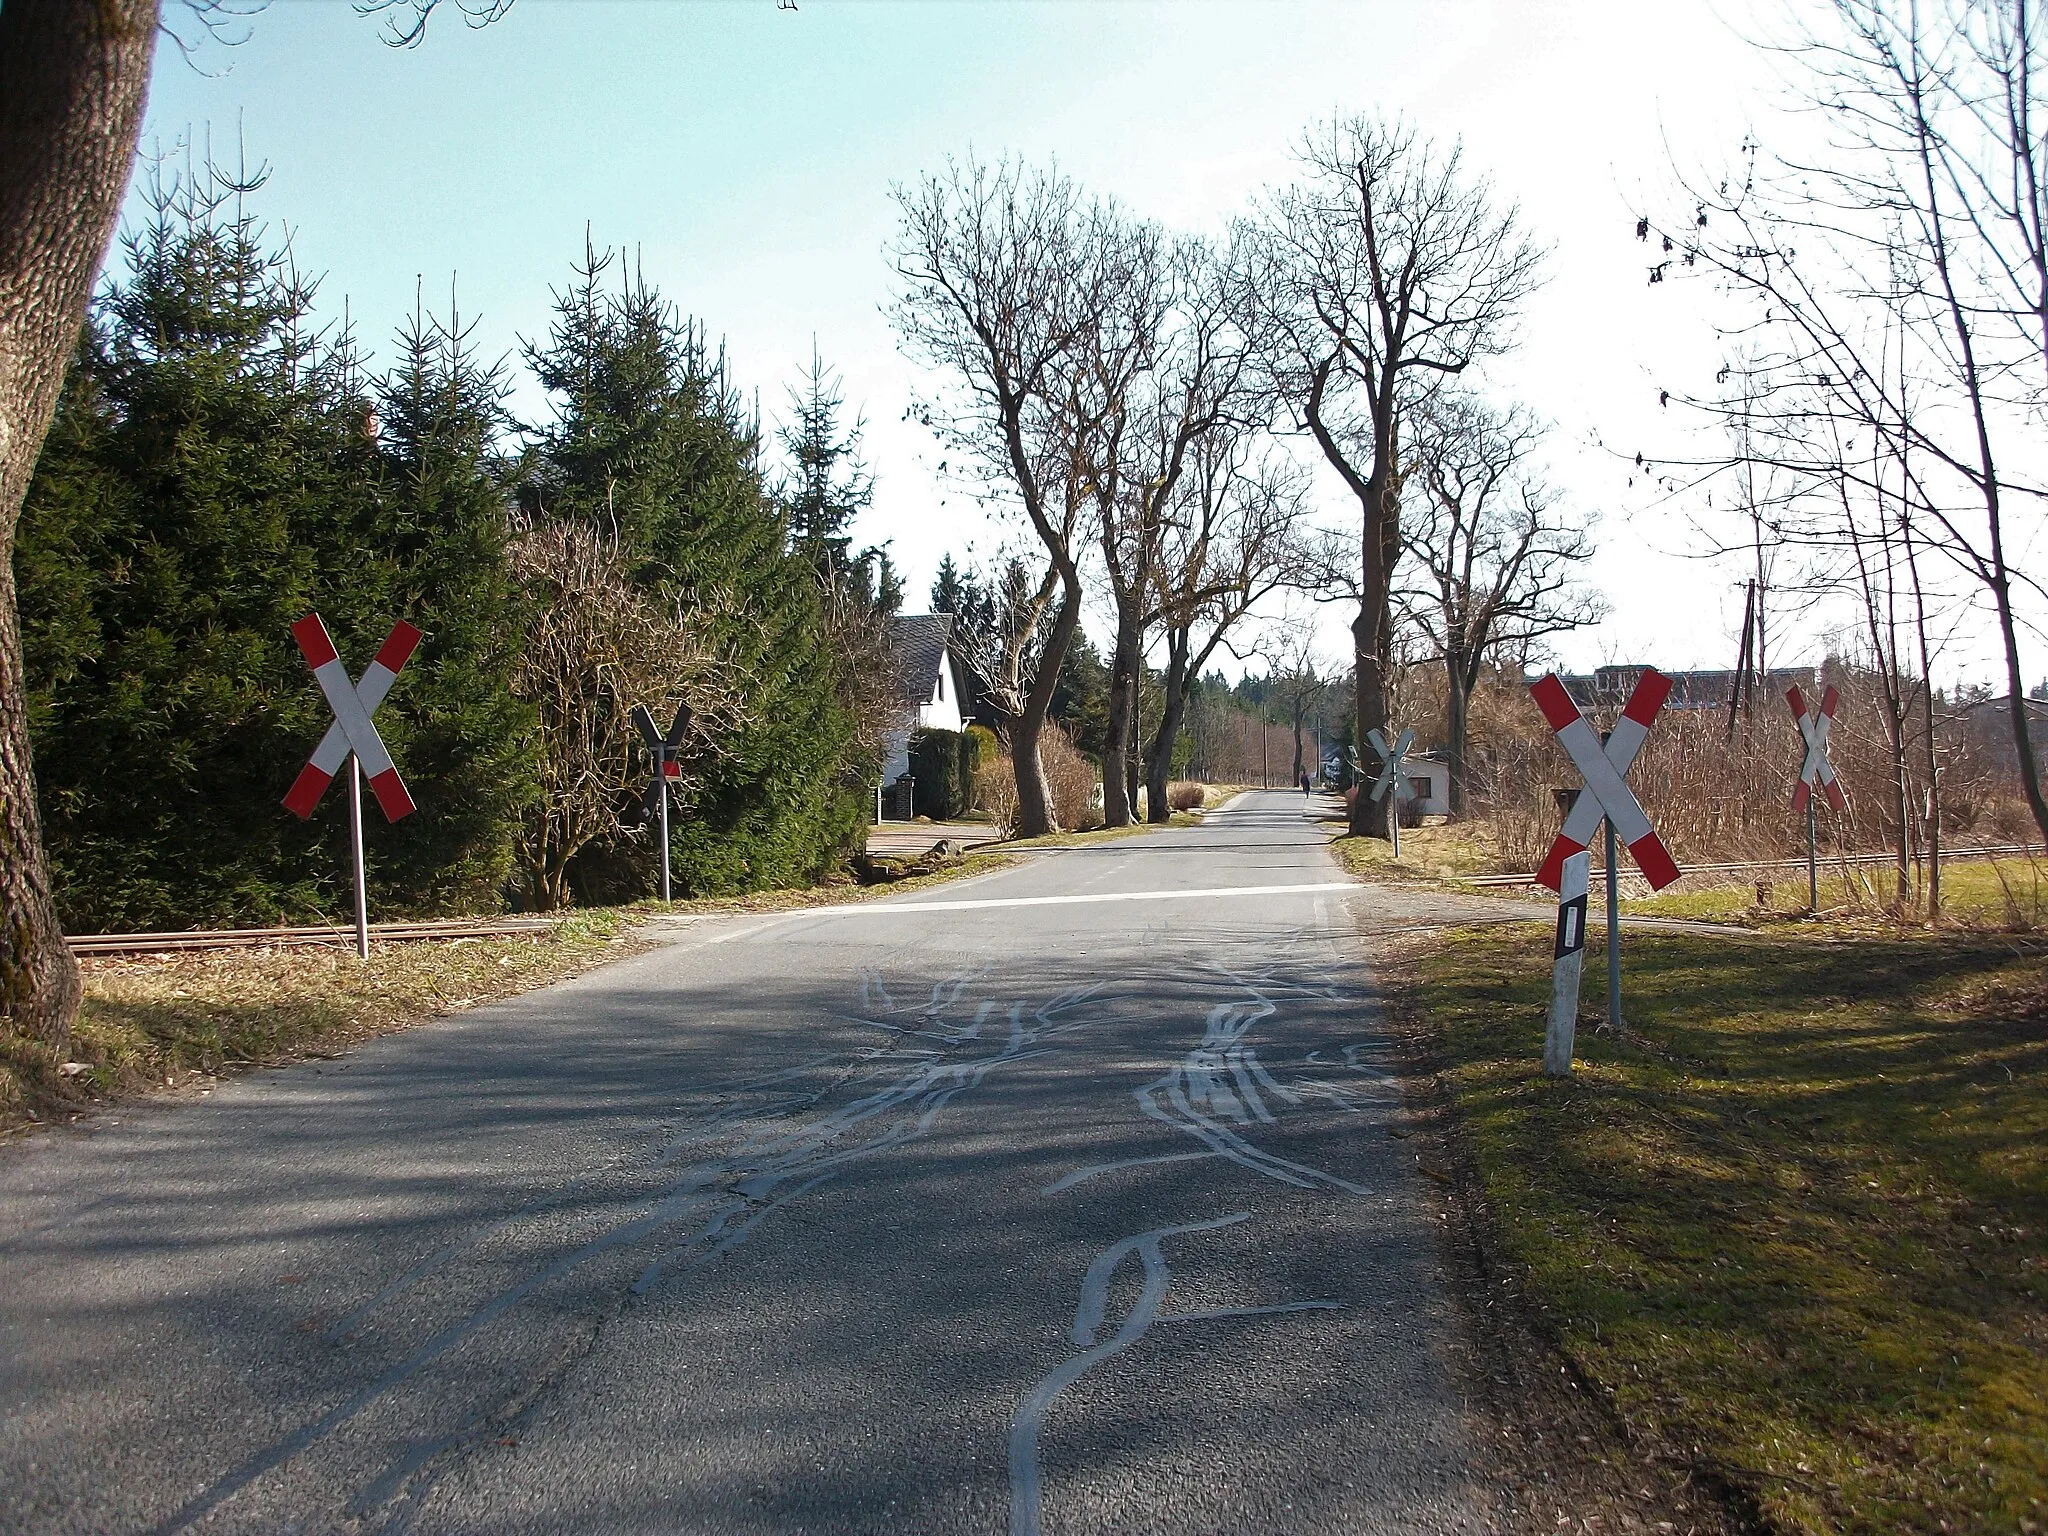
(746, 153)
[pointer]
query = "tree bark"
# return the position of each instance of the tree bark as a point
(1035, 810)
(1118, 803)
(1373, 633)
(1459, 709)
(73, 78)
(1159, 766)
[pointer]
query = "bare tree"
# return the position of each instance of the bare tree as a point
(1912, 263)
(1231, 540)
(1001, 287)
(1497, 567)
(600, 645)
(1302, 678)
(1381, 271)
(1168, 365)
(999, 631)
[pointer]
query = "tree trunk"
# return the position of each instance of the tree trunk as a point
(1372, 633)
(73, 77)
(1933, 829)
(1035, 809)
(1895, 739)
(1459, 710)
(1159, 766)
(1118, 807)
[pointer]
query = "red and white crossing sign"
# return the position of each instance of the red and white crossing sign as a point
(1815, 769)
(353, 704)
(1603, 766)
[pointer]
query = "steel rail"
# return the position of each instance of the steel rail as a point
(303, 937)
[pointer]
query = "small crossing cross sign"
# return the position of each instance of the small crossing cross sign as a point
(1815, 770)
(352, 731)
(1603, 766)
(665, 750)
(1390, 764)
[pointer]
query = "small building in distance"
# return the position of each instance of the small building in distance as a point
(1429, 786)
(928, 694)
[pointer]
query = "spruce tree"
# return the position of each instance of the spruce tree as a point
(652, 443)
(209, 481)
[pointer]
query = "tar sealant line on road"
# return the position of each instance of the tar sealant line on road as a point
(1220, 1078)
(880, 907)
(1025, 1490)
(720, 1202)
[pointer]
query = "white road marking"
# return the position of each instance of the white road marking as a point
(876, 908)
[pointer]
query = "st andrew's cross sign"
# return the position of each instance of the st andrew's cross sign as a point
(666, 752)
(1604, 766)
(353, 734)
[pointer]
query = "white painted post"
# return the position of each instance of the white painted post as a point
(355, 835)
(1568, 958)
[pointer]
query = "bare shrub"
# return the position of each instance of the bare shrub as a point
(598, 646)
(1183, 795)
(995, 792)
(1072, 780)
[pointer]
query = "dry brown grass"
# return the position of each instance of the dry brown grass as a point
(158, 1021)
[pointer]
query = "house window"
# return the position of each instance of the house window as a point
(942, 685)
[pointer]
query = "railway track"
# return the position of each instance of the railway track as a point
(306, 937)
(1743, 866)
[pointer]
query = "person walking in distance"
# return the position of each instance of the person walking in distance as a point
(1304, 784)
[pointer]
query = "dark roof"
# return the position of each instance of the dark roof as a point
(919, 642)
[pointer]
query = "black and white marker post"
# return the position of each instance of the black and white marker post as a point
(1568, 959)
(1390, 778)
(667, 765)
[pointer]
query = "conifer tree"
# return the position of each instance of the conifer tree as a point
(209, 481)
(651, 443)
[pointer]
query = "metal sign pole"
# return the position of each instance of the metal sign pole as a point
(1812, 862)
(355, 837)
(1568, 959)
(664, 831)
(1613, 933)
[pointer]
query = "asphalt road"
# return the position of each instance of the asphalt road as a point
(1058, 1199)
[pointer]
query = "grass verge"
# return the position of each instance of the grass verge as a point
(158, 1021)
(1436, 853)
(1794, 1227)
(2009, 895)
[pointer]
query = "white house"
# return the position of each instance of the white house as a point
(1429, 786)
(930, 686)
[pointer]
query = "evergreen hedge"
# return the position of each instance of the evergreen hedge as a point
(208, 480)
(942, 769)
